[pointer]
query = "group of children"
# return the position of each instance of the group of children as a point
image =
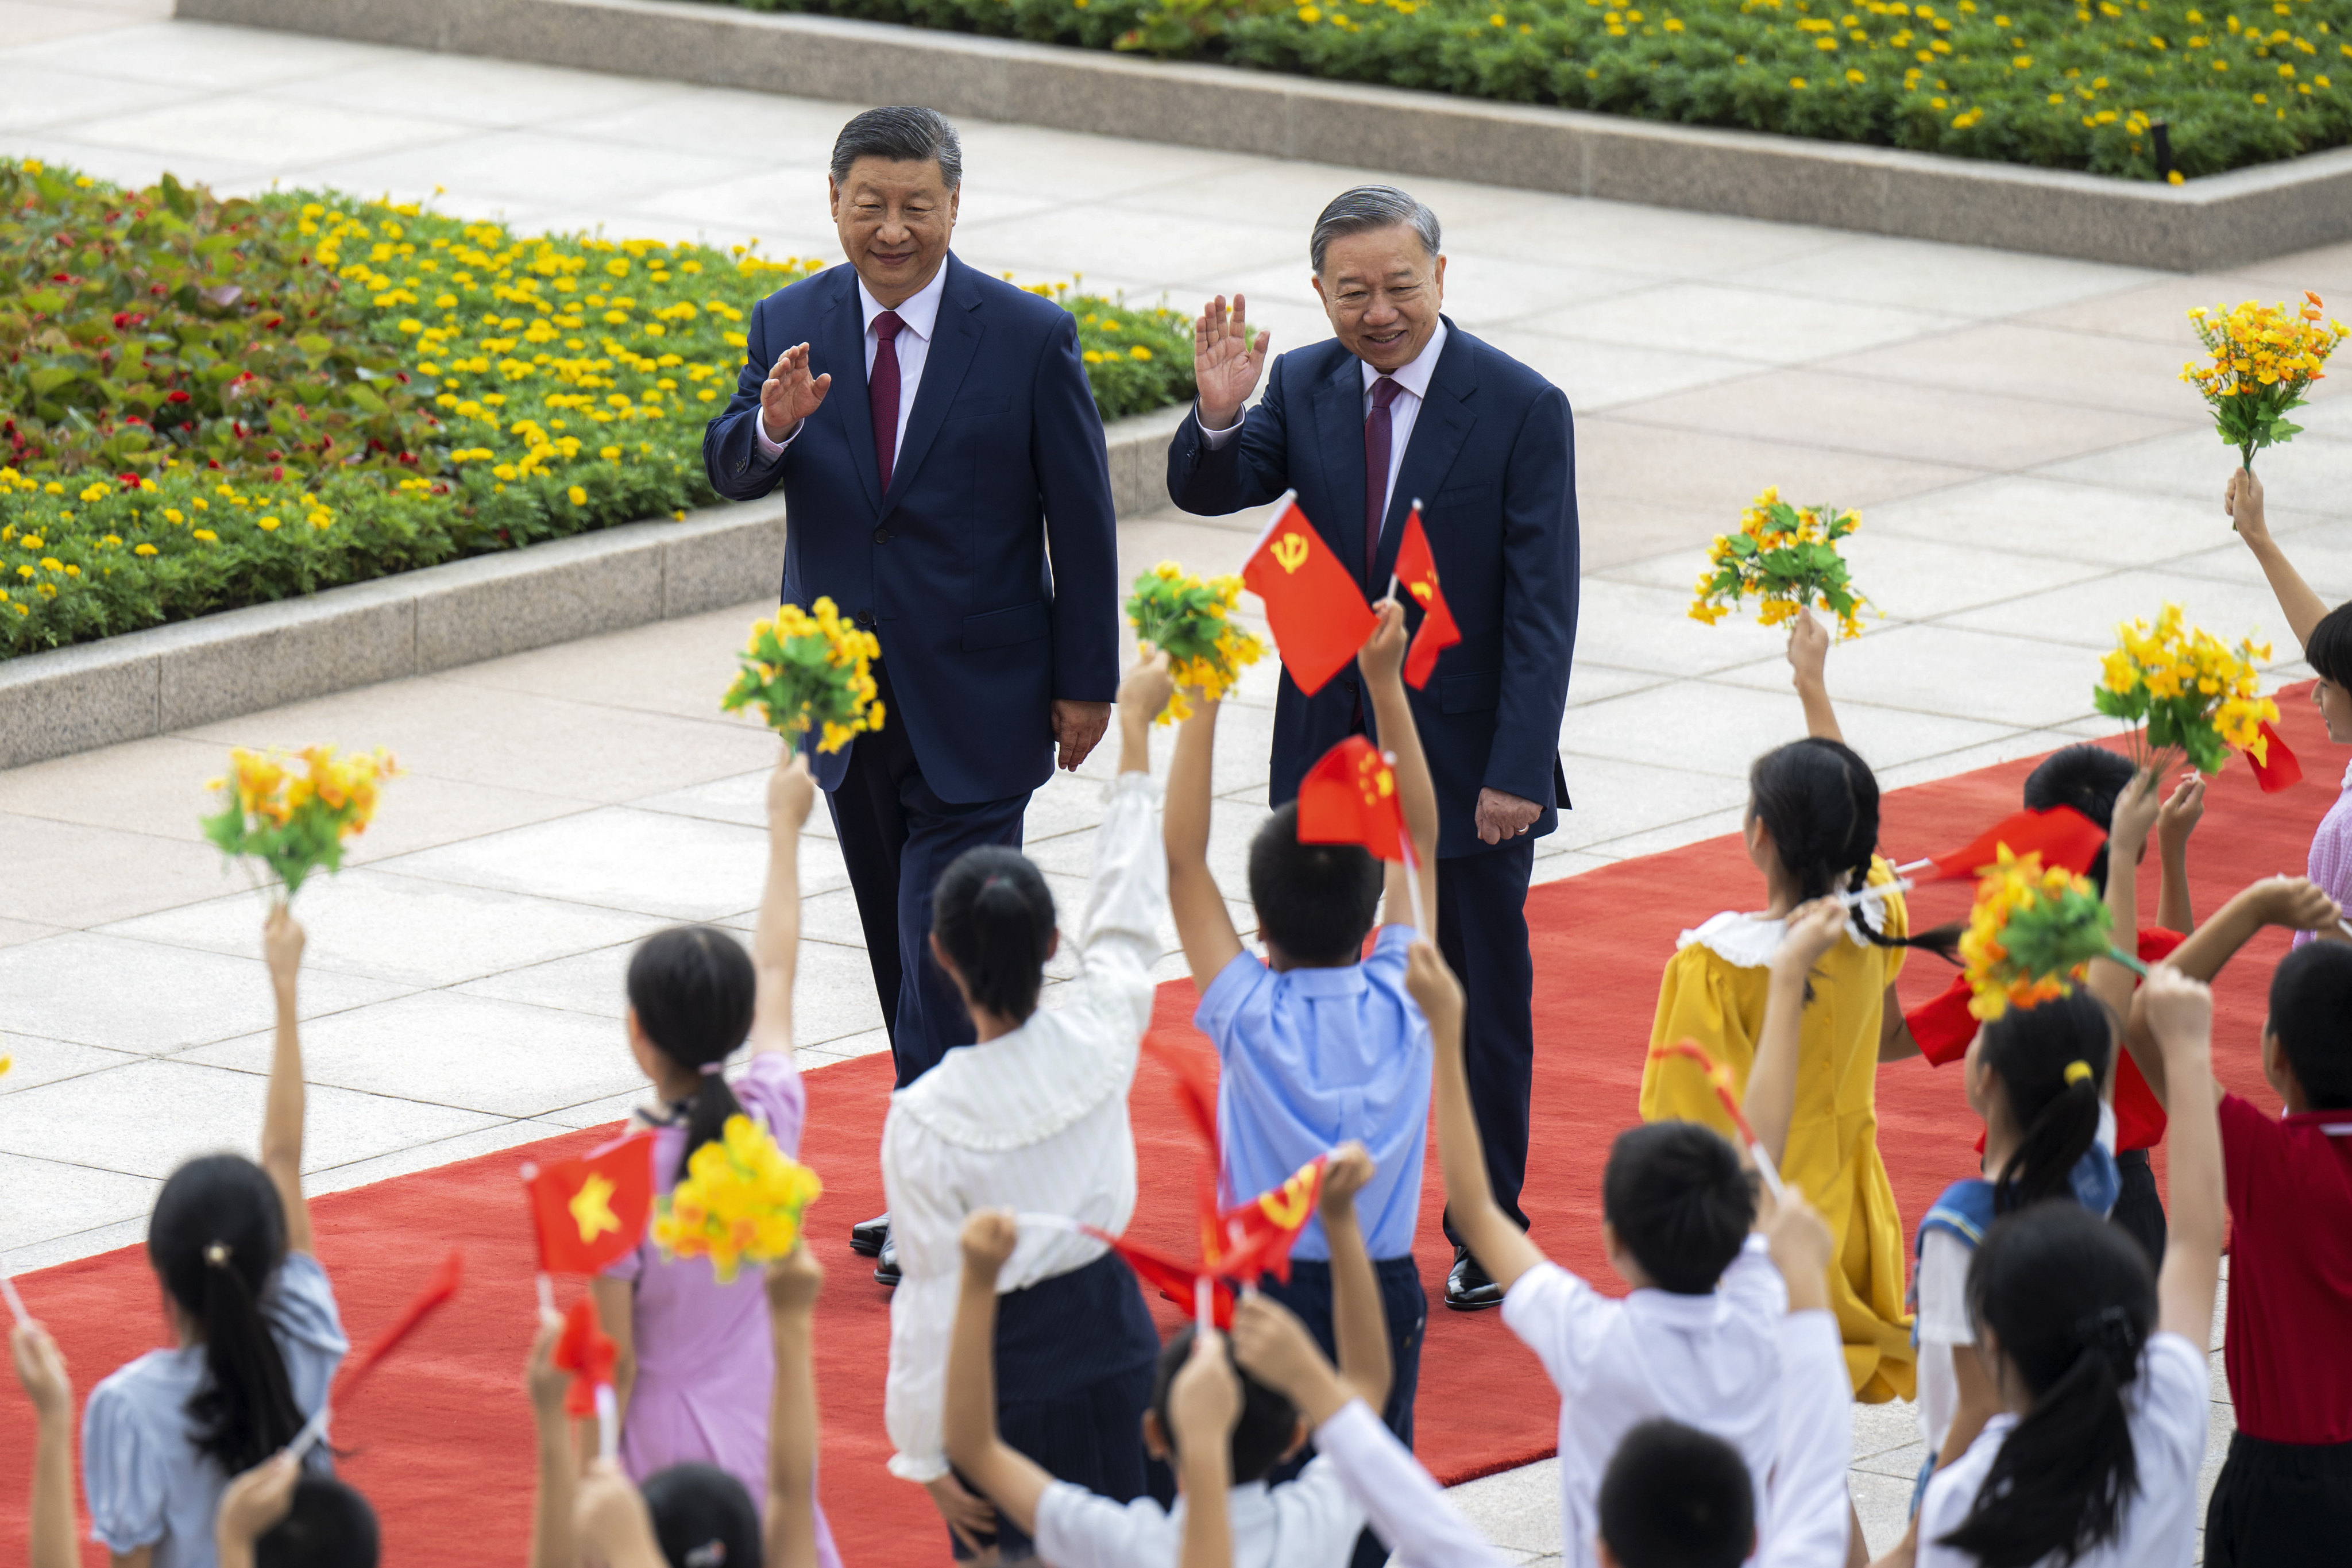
(2050, 1317)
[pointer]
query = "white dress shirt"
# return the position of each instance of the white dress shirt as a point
(1413, 386)
(1034, 1121)
(920, 315)
(1310, 1522)
(1401, 1501)
(1809, 1505)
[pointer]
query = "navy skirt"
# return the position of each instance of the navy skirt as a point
(1075, 1356)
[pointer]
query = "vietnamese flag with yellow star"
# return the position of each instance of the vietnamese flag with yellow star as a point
(1313, 605)
(591, 1213)
(1350, 797)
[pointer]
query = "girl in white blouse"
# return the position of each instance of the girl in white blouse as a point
(1032, 1117)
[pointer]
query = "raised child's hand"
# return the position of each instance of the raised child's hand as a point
(1802, 1247)
(546, 1381)
(1344, 1176)
(1204, 1401)
(792, 791)
(795, 1281)
(1433, 985)
(2135, 810)
(2177, 819)
(989, 1238)
(1143, 695)
(1809, 649)
(2297, 904)
(1382, 658)
(41, 1368)
(255, 1502)
(1273, 1346)
(281, 943)
(1813, 929)
(610, 1522)
(2178, 1010)
(2243, 502)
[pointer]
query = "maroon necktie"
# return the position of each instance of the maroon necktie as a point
(1377, 433)
(882, 394)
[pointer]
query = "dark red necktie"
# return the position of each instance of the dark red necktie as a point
(882, 394)
(1378, 432)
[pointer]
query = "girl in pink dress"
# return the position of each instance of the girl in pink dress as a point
(696, 1358)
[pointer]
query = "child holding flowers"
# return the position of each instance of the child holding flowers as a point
(696, 1359)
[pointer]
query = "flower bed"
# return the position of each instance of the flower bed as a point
(2043, 82)
(207, 404)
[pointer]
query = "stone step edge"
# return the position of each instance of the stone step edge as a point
(162, 679)
(2225, 220)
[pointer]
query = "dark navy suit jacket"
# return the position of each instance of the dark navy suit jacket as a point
(1493, 461)
(1000, 467)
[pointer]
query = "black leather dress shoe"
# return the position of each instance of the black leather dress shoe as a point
(1468, 1287)
(886, 1266)
(866, 1238)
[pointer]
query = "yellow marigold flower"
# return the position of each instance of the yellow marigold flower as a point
(207, 535)
(142, 549)
(579, 497)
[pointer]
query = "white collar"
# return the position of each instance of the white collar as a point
(1413, 377)
(1028, 1084)
(1748, 941)
(921, 311)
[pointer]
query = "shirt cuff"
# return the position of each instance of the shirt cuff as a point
(760, 433)
(909, 1468)
(1215, 438)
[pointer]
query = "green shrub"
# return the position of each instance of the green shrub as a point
(207, 404)
(2043, 82)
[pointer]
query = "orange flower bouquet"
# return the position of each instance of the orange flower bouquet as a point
(294, 812)
(2031, 932)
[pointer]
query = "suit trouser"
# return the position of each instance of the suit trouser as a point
(897, 838)
(1482, 929)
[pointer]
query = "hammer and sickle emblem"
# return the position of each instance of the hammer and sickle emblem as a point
(1290, 552)
(1287, 1205)
(1424, 592)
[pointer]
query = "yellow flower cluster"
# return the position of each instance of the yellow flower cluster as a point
(2265, 357)
(1786, 556)
(809, 670)
(2030, 931)
(2190, 691)
(294, 811)
(1189, 619)
(741, 1201)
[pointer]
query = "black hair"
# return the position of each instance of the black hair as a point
(2032, 1050)
(216, 1239)
(702, 1518)
(1314, 901)
(329, 1525)
(1819, 801)
(2071, 1301)
(1675, 1497)
(994, 915)
(1262, 1434)
(2311, 1014)
(1679, 1202)
(693, 990)
(899, 134)
(2329, 651)
(2089, 778)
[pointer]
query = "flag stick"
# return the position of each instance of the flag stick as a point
(313, 1430)
(1910, 866)
(1049, 1222)
(1719, 1081)
(15, 1302)
(608, 1423)
(1392, 585)
(546, 1295)
(1204, 1296)
(2345, 926)
(1875, 890)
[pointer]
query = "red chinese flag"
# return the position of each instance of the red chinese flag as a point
(2278, 769)
(1350, 797)
(588, 1353)
(1416, 571)
(1256, 1239)
(2061, 836)
(1176, 1281)
(1312, 602)
(591, 1213)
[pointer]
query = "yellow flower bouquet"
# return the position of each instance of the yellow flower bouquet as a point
(741, 1201)
(1786, 556)
(2191, 694)
(2265, 358)
(2032, 931)
(292, 812)
(1189, 621)
(809, 670)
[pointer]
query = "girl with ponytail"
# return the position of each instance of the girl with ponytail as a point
(258, 1335)
(696, 1356)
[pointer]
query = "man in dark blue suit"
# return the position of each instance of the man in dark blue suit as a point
(952, 496)
(1404, 406)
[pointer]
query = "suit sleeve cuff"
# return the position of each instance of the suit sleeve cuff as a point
(760, 433)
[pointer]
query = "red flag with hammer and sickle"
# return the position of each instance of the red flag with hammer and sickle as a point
(1416, 573)
(1313, 606)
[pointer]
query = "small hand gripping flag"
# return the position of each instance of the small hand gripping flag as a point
(1416, 573)
(1313, 606)
(591, 1213)
(1350, 797)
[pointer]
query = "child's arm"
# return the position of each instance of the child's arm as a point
(1204, 1401)
(1809, 652)
(611, 1521)
(254, 1502)
(2175, 821)
(1815, 1442)
(1007, 1476)
(1359, 1325)
(1204, 924)
(616, 1314)
(793, 1284)
(2304, 609)
(552, 1544)
(1502, 1249)
(1770, 1102)
(2180, 1014)
(2127, 831)
(2295, 902)
(41, 1368)
(1382, 658)
(281, 1116)
(776, 941)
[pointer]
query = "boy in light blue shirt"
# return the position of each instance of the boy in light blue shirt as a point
(1317, 1043)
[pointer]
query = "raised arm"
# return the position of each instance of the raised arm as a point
(1226, 457)
(1382, 658)
(1007, 1476)
(2127, 830)
(1204, 924)
(1815, 1442)
(1770, 1102)
(281, 1116)
(41, 1368)
(551, 1542)
(1809, 652)
(1502, 1249)
(776, 942)
(2180, 1014)
(1204, 1403)
(612, 1523)
(2295, 902)
(2303, 608)
(2175, 821)
(790, 1534)
(1360, 1327)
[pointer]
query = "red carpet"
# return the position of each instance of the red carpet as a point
(441, 1440)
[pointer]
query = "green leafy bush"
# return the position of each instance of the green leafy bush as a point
(209, 404)
(2043, 82)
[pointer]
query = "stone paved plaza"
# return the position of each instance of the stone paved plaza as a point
(2029, 467)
